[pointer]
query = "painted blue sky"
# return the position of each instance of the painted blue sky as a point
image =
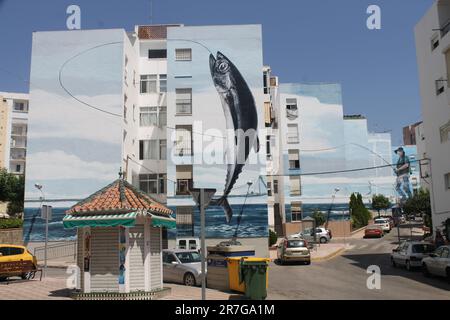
(304, 41)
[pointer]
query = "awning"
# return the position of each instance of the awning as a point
(106, 220)
(158, 221)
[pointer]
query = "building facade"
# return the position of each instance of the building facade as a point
(13, 131)
(433, 58)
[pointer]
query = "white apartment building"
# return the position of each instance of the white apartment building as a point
(433, 58)
(13, 131)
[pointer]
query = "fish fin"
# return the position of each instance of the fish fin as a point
(223, 202)
(212, 62)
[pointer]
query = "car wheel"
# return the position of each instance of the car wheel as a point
(408, 265)
(189, 279)
(393, 263)
(308, 262)
(425, 270)
(3, 279)
(448, 275)
(323, 240)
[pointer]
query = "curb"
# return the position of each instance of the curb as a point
(329, 256)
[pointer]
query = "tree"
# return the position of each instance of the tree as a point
(419, 203)
(359, 214)
(12, 189)
(319, 217)
(380, 202)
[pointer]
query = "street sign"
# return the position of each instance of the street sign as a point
(46, 212)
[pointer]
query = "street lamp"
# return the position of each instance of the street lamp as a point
(45, 211)
(202, 198)
(336, 190)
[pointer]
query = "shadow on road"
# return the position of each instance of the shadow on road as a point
(383, 261)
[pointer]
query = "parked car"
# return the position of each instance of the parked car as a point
(295, 250)
(322, 235)
(383, 223)
(182, 266)
(16, 261)
(373, 231)
(438, 263)
(410, 253)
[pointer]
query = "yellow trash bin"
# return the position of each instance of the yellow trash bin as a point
(233, 265)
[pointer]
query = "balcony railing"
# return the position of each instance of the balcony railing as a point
(183, 186)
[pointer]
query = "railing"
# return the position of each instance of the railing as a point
(55, 251)
(184, 106)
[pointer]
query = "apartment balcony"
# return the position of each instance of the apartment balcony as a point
(183, 186)
(183, 107)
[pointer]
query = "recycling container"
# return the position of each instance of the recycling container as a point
(233, 265)
(254, 273)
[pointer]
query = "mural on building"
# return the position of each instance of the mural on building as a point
(224, 80)
(75, 122)
(403, 170)
(241, 117)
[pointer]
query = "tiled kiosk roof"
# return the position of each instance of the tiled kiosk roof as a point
(118, 197)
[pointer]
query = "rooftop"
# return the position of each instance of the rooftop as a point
(118, 197)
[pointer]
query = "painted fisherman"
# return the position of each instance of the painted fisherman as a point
(402, 171)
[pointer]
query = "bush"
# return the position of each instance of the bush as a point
(10, 223)
(319, 217)
(360, 215)
(273, 237)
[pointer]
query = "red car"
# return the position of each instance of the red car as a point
(373, 231)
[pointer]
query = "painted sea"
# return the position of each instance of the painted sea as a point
(253, 222)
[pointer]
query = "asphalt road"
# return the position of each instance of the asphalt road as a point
(345, 276)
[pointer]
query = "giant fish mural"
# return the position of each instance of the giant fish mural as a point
(241, 117)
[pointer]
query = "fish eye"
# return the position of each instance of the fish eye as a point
(223, 66)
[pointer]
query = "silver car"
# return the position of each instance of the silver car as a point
(410, 254)
(438, 263)
(182, 266)
(322, 235)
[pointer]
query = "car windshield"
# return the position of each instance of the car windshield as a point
(423, 248)
(188, 257)
(296, 244)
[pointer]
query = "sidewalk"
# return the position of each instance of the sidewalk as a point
(52, 288)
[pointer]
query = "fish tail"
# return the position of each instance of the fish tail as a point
(223, 202)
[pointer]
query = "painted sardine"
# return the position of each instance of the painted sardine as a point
(241, 117)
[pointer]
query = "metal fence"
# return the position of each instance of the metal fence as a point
(55, 251)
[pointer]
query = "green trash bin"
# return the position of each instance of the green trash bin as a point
(254, 274)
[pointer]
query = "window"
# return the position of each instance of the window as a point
(184, 179)
(148, 183)
(434, 42)
(292, 133)
(157, 54)
(183, 142)
(294, 159)
(148, 83)
(291, 108)
(296, 211)
(163, 83)
(275, 186)
(445, 132)
(269, 156)
(183, 54)
(162, 149)
(294, 182)
(162, 116)
(183, 101)
(269, 188)
(447, 181)
(148, 116)
(153, 183)
(148, 149)
(440, 86)
(266, 82)
(19, 106)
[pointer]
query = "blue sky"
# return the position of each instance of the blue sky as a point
(304, 41)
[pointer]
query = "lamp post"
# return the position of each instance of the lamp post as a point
(39, 187)
(202, 198)
(336, 190)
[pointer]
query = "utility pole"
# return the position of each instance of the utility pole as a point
(202, 198)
